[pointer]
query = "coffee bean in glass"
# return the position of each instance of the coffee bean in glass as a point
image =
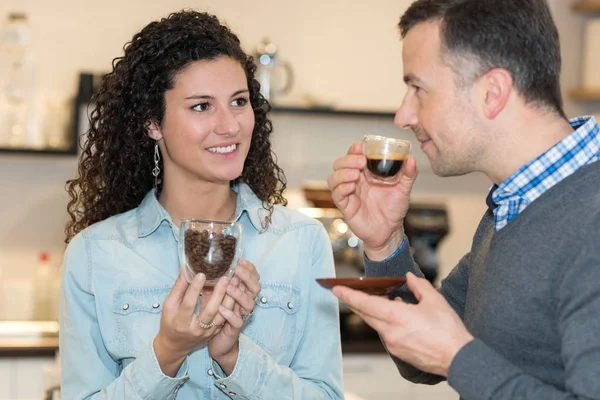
(210, 247)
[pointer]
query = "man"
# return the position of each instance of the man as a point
(519, 316)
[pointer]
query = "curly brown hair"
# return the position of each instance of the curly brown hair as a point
(115, 168)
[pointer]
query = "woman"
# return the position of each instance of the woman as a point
(180, 131)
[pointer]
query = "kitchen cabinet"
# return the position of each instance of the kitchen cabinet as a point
(23, 377)
(6, 378)
(29, 377)
(27, 351)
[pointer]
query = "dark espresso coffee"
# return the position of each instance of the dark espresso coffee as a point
(385, 167)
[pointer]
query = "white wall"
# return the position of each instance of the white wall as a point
(345, 51)
(351, 57)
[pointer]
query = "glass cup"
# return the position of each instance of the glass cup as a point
(210, 247)
(385, 157)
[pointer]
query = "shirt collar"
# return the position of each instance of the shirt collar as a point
(584, 139)
(250, 204)
(489, 200)
(150, 213)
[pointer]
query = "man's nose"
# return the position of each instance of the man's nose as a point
(406, 116)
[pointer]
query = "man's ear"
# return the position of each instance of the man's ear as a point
(497, 86)
(153, 130)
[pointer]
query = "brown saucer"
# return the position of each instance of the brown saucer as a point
(372, 285)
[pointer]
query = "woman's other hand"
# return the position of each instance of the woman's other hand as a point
(181, 329)
(243, 288)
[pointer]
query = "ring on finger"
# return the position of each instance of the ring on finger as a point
(206, 326)
(246, 316)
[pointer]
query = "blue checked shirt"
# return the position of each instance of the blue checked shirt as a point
(577, 150)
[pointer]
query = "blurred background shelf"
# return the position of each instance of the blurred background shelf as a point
(584, 94)
(333, 112)
(41, 152)
(587, 6)
(28, 338)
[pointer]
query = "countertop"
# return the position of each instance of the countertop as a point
(40, 339)
(28, 338)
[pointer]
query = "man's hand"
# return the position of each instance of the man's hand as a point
(427, 335)
(375, 213)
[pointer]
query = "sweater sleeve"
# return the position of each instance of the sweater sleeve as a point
(454, 289)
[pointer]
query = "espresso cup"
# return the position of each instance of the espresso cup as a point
(385, 157)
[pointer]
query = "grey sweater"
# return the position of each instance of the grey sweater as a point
(530, 295)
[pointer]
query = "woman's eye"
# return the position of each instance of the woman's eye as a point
(240, 102)
(417, 88)
(201, 107)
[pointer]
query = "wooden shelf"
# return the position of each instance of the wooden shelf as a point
(40, 347)
(584, 94)
(334, 112)
(41, 152)
(587, 6)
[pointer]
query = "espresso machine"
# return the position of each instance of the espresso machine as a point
(425, 226)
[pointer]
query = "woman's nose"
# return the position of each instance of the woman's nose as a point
(226, 123)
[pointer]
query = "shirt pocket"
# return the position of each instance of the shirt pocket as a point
(137, 314)
(273, 326)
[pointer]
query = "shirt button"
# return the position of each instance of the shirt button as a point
(125, 306)
(210, 372)
(222, 386)
(155, 305)
(290, 305)
(263, 300)
(231, 394)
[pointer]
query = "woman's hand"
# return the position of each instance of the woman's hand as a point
(243, 289)
(180, 328)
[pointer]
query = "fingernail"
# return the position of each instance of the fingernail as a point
(201, 276)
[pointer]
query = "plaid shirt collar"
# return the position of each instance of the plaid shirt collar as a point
(512, 196)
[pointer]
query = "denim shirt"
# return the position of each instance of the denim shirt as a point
(117, 273)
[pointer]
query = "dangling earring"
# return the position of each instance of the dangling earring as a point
(156, 170)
